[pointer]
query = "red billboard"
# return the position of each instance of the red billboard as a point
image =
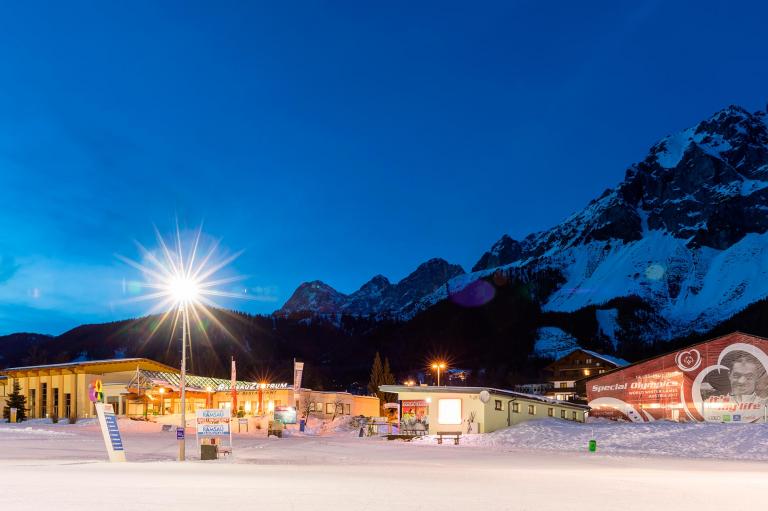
(722, 380)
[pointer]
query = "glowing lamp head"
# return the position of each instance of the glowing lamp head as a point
(183, 290)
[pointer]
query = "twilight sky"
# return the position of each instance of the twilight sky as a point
(329, 140)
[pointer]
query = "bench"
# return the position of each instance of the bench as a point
(450, 434)
(225, 450)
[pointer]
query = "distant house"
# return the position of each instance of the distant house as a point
(4, 391)
(565, 373)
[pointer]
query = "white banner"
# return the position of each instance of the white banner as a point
(109, 430)
(298, 370)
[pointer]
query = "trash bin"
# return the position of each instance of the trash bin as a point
(209, 452)
(302, 424)
(592, 445)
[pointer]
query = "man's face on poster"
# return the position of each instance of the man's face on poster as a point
(743, 377)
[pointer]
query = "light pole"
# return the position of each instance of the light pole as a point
(438, 366)
(182, 379)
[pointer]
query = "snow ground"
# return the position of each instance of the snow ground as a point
(539, 465)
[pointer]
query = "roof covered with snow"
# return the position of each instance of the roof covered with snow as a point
(397, 389)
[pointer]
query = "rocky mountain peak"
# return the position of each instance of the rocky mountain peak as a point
(504, 251)
(314, 296)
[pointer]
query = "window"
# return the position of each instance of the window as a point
(562, 414)
(347, 409)
(55, 402)
(319, 407)
(498, 404)
(601, 371)
(312, 406)
(563, 385)
(43, 400)
(586, 372)
(516, 407)
(574, 415)
(329, 407)
(531, 410)
(597, 364)
(550, 412)
(589, 361)
(449, 411)
(32, 395)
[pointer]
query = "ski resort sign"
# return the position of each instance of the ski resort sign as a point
(109, 430)
(723, 380)
(214, 422)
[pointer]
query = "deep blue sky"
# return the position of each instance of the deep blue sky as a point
(330, 140)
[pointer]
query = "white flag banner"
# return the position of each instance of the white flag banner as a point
(298, 370)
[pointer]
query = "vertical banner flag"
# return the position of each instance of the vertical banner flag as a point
(234, 387)
(298, 369)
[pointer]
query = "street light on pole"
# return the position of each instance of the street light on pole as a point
(184, 286)
(438, 366)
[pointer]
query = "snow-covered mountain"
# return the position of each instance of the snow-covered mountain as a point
(683, 239)
(377, 296)
(685, 231)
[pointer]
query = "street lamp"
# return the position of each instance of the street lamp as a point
(184, 291)
(184, 283)
(438, 366)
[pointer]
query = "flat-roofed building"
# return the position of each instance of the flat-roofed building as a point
(140, 387)
(475, 409)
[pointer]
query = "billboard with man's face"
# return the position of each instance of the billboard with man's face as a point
(723, 380)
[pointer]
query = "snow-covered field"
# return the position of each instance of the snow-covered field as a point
(540, 465)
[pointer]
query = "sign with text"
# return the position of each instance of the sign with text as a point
(111, 433)
(214, 422)
(723, 380)
(285, 414)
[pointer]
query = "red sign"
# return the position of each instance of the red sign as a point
(723, 380)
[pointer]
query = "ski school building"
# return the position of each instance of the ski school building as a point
(720, 380)
(140, 387)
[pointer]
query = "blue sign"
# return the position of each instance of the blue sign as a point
(179, 433)
(114, 433)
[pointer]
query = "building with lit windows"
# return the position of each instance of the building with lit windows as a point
(564, 373)
(140, 387)
(475, 409)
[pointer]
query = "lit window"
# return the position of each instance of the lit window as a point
(311, 407)
(498, 404)
(531, 410)
(562, 414)
(550, 412)
(347, 409)
(589, 361)
(516, 407)
(586, 372)
(329, 407)
(449, 411)
(563, 385)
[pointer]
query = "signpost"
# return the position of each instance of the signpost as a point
(212, 424)
(111, 433)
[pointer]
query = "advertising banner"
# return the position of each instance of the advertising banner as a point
(285, 414)
(213, 422)
(723, 380)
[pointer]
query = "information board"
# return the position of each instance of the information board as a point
(110, 431)
(214, 422)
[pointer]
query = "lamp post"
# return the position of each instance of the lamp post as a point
(162, 401)
(438, 366)
(183, 377)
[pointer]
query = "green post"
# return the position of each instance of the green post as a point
(592, 445)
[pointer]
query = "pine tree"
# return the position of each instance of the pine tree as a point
(388, 379)
(377, 377)
(16, 400)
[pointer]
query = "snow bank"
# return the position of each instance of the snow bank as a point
(661, 438)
